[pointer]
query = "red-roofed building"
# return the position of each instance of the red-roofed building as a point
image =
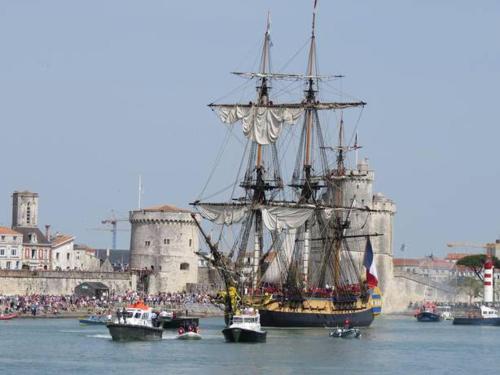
(441, 270)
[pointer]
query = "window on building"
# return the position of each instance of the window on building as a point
(147, 243)
(13, 252)
(166, 241)
(184, 266)
(3, 238)
(8, 265)
(28, 213)
(190, 242)
(2, 252)
(33, 253)
(57, 256)
(67, 256)
(14, 238)
(17, 264)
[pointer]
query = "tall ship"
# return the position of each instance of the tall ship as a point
(292, 244)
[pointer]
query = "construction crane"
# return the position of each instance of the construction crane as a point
(111, 225)
(492, 248)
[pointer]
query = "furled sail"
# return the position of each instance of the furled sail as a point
(223, 214)
(277, 218)
(262, 124)
(282, 259)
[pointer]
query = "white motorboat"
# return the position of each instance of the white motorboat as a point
(135, 323)
(245, 327)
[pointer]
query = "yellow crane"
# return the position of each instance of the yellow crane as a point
(492, 248)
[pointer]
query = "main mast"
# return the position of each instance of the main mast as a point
(259, 193)
(308, 187)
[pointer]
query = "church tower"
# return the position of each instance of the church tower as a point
(24, 209)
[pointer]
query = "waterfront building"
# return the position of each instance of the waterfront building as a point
(163, 243)
(435, 269)
(85, 259)
(36, 246)
(66, 255)
(62, 252)
(11, 244)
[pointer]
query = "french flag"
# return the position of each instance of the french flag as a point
(368, 262)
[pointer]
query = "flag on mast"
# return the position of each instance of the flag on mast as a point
(369, 263)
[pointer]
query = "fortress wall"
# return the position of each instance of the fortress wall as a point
(406, 288)
(22, 282)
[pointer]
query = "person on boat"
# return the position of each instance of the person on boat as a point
(181, 331)
(190, 328)
(347, 324)
(119, 315)
(154, 319)
(124, 314)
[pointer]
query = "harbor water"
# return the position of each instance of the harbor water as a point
(392, 345)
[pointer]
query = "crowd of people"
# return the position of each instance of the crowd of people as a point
(40, 304)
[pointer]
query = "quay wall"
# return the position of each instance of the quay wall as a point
(23, 282)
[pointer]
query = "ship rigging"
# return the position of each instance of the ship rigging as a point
(292, 257)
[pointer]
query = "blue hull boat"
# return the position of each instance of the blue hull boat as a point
(94, 320)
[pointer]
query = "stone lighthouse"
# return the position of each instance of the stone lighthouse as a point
(163, 243)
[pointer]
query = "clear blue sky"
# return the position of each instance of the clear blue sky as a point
(92, 93)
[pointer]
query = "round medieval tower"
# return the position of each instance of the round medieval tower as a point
(357, 191)
(162, 245)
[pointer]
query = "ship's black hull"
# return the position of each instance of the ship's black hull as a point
(126, 332)
(477, 321)
(268, 318)
(244, 335)
(428, 317)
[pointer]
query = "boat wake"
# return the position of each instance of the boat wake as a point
(100, 336)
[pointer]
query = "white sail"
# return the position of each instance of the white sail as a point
(282, 259)
(222, 214)
(262, 124)
(279, 218)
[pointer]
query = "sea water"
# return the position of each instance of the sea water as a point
(392, 345)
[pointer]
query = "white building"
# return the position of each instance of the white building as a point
(85, 258)
(62, 252)
(11, 244)
(68, 256)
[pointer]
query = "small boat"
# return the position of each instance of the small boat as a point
(170, 320)
(8, 316)
(346, 333)
(445, 312)
(95, 320)
(486, 316)
(245, 327)
(427, 313)
(189, 332)
(135, 324)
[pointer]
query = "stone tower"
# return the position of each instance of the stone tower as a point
(357, 186)
(382, 221)
(163, 241)
(24, 209)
